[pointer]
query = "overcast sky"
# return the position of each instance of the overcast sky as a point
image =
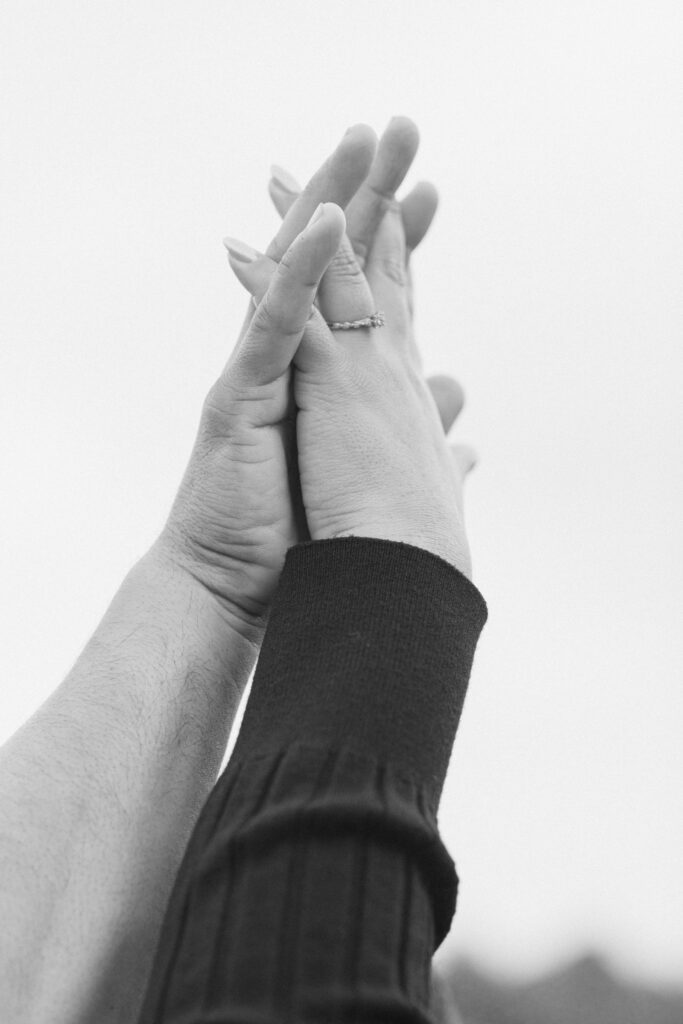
(135, 135)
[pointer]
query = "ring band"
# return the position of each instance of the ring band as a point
(374, 320)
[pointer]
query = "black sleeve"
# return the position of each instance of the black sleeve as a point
(315, 887)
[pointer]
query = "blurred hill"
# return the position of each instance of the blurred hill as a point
(585, 992)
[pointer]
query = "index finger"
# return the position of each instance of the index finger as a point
(335, 182)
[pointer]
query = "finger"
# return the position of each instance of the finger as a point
(335, 182)
(385, 269)
(449, 398)
(395, 154)
(417, 211)
(465, 459)
(344, 291)
(252, 268)
(284, 292)
(283, 189)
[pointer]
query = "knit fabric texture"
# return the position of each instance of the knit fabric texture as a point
(315, 887)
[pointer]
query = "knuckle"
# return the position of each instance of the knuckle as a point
(382, 194)
(394, 269)
(229, 408)
(345, 265)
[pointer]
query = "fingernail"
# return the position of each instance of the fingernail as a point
(240, 250)
(320, 209)
(284, 180)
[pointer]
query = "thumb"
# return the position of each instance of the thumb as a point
(284, 294)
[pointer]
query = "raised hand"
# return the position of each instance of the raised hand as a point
(395, 153)
(344, 285)
(373, 460)
(235, 513)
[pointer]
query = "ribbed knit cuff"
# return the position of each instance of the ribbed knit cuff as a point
(369, 646)
(315, 889)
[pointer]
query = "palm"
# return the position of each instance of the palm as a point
(234, 507)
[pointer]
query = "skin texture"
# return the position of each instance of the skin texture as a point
(236, 511)
(373, 460)
(100, 789)
(99, 792)
(240, 505)
(372, 456)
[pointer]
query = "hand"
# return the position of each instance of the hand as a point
(395, 154)
(373, 460)
(234, 516)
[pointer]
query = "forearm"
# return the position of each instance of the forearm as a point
(99, 792)
(315, 884)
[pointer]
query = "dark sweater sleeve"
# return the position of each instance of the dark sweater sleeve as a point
(315, 887)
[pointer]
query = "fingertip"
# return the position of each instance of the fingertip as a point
(404, 132)
(254, 276)
(449, 386)
(335, 216)
(427, 193)
(281, 200)
(327, 225)
(357, 148)
(417, 210)
(328, 216)
(314, 248)
(241, 272)
(284, 180)
(360, 136)
(240, 250)
(395, 154)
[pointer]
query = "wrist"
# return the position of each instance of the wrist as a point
(388, 611)
(163, 614)
(228, 615)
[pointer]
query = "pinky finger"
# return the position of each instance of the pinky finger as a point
(465, 459)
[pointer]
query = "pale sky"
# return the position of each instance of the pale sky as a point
(135, 135)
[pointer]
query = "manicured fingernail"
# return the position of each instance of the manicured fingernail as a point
(240, 250)
(284, 180)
